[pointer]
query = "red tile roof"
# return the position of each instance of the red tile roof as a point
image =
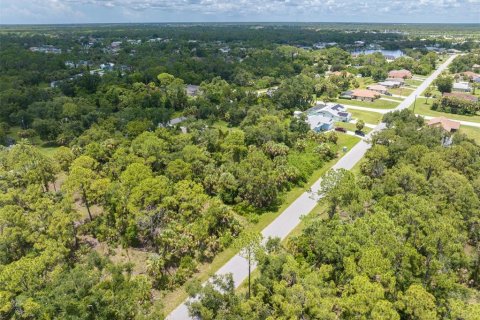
(364, 93)
(460, 95)
(446, 124)
(400, 74)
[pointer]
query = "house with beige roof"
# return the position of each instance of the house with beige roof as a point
(444, 123)
(378, 88)
(364, 95)
(402, 74)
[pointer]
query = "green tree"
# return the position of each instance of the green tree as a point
(360, 125)
(249, 246)
(444, 84)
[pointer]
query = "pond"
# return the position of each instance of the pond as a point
(394, 53)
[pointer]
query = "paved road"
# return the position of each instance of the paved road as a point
(291, 217)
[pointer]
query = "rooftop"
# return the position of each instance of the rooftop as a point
(365, 93)
(459, 95)
(445, 123)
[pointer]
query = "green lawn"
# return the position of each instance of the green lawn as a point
(171, 300)
(377, 104)
(368, 117)
(365, 82)
(413, 82)
(393, 98)
(424, 109)
(472, 132)
(36, 141)
(401, 91)
(351, 126)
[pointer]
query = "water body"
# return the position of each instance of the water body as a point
(394, 53)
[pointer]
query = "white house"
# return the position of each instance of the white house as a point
(390, 84)
(462, 87)
(336, 112)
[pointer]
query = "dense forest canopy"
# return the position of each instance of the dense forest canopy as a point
(118, 184)
(399, 241)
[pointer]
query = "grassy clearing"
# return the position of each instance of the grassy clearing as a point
(412, 82)
(404, 91)
(392, 98)
(471, 132)
(351, 126)
(172, 299)
(368, 117)
(365, 82)
(36, 141)
(377, 104)
(421, 107)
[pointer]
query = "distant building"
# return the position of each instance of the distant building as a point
(461, 87)
(364, 95)
(107, 66)
(444, 123)
(378, 88)
(402, 74)
(46, 49)
(470, 75)
(116, 44)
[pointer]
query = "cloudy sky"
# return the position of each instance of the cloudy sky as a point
(89, 11)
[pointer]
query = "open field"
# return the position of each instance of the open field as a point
(351, 126)
(368, 117)
(412, 82)
(401, 91)
(377, 104)
(471, 132)
(424, 109)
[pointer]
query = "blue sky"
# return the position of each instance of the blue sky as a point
(91, 11)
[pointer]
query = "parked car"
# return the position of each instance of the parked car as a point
(340, 129)
(388, 94)
(360, 133)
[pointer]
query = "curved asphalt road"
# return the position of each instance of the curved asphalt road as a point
(290, 218)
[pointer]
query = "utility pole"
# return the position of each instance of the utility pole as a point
(414, 103)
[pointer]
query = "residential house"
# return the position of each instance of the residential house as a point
(469, 75)
(444, 123)
(462, 96)
(316, 121)
(378, 88)
(402, 74)
(335, 111)
(107, 66)
(400, 80)
(476, 67)
(461, 87)
(364, 95)
(390, 84)
(320, 123)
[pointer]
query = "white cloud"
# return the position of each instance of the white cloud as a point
(248, 10)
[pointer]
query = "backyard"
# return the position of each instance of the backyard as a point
(421, 107)
(377, 104)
